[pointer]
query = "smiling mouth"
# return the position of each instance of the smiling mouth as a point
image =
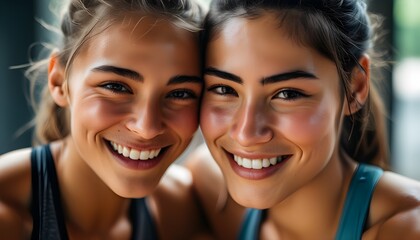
(135, 154)
(259, 163)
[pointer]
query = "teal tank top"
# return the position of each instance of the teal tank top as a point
(353, 217)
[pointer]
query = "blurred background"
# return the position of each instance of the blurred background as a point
(21, 28)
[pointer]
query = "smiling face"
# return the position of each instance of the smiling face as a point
(133, 94)
(270, 111)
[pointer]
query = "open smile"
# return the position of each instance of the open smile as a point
(259, 163)
(137, 159)
(135, 154)
(256, 168)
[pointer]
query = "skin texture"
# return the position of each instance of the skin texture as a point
(245, 113)
(143, 112)
(258, 121)
(135, 84)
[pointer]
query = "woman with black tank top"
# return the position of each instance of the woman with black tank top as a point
(120, 104)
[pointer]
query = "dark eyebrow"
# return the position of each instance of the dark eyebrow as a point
(287, 76)
(119, 71)
(266, 80)
(221, 74)
(185, 79)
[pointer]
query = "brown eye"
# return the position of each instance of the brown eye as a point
(222, 90)
(116, 87)
(289, 94)
(182, 94)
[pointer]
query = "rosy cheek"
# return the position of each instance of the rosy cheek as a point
(99, 114)
(305, 128)
(184, 121)
(214, 120)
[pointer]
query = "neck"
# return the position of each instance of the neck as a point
(314, 211)
(88, 204)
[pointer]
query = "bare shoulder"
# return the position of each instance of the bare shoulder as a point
(175, 206)
(395, 208)
(205, 171)
(176, 176)
(15, 181)
(176, 185)
(223, 214)
(15, 174)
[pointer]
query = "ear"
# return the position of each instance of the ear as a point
(56, 81)
(359, 86)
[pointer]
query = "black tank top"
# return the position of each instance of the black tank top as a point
(47, 213)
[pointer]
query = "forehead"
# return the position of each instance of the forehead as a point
(143, 38)
(260, 42)
(152, 28)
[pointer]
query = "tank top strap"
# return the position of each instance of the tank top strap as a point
(142, 220)
(250, 228)
(47, 213)
(356, 206)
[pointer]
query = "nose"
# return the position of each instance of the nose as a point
(146, 120)
(250, 126)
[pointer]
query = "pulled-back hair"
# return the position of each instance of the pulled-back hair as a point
(82, 20)
(340, 30)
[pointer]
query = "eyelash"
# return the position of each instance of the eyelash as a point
(215, 89)
(293, 94)
(190, 94)
(116, 87)
(119, 88)
(296, 94)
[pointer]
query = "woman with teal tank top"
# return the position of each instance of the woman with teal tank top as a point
(294, 127)
(119, 102)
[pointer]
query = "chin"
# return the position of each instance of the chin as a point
(254, 197)
(254, 203)
(135, 190)
(130, 193)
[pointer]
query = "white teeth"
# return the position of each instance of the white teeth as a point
(135, 154)
(246, 163)
(126, 152)
(258, 163)
(157, 151)
(144, 155)
(273, 161)
(266, 162)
